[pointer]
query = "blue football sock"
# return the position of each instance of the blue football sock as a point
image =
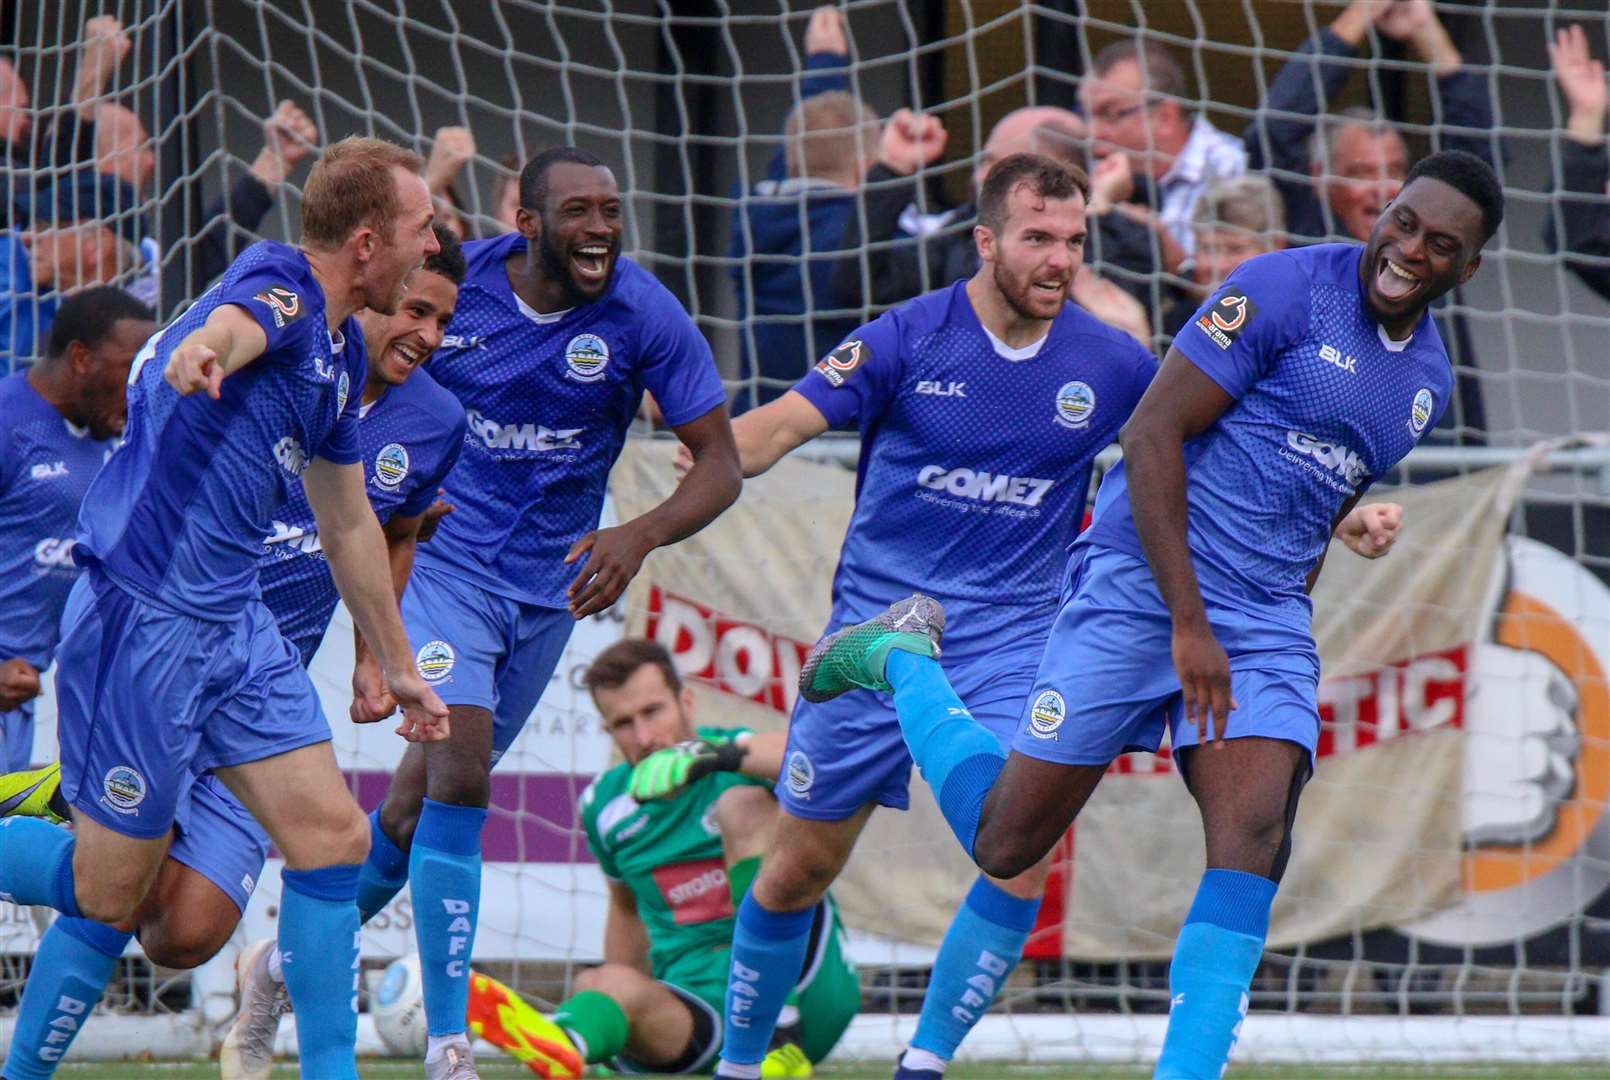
(768, 951)
(958, 756)
(318, 937)
(983, 945)
(383, 873)
(36, 864)
(444, 867)
(76, 957)
(1215, 957)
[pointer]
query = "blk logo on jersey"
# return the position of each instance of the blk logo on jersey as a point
(1075, 404)
(284, 304)
(391, 465)
(941, 389)
(1227, 318)
(48, 470)
(839, 364)
(1333, 356)
(586, 357)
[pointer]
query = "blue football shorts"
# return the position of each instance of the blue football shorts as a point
(845, 753)
(148, 698)
(476, 647)
(1106, 683)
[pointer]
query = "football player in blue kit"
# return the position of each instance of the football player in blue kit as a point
(59, 420)
(981, 408)
(554, 342)
(410, 434)
(172, 666)
(1310, 373)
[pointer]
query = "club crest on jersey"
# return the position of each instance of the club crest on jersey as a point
(123, 789)
(343, 386)
(801, 774)
(837, 365)
(1420, 411)
(1229, 315)
(391, 465)
(586, 356)
(1075, 402)
(1047, 714)
(435, 660)
(282, 303)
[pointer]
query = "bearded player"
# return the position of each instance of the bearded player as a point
(1309, 374)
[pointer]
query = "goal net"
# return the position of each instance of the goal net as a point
(1451, 887)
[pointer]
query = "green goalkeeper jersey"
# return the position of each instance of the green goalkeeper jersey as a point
(668, 853)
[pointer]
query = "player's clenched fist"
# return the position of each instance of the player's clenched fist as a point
(424, 715)
(1204, 673)
(194, 367)
(911, 140)
(1371, 530)
(19, 682)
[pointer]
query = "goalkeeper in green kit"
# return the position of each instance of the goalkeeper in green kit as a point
(678, 830)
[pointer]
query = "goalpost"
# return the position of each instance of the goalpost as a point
(1452, 892)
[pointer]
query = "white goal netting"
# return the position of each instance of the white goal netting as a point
(1455, 895)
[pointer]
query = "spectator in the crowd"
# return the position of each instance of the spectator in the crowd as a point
(16, 118)
(1235, 219)
(64, 247)
(1584, 181)
(899, 265)
(506, 192)
(451, 150)
(1143, 128)
(787, 229)
(1336, 178)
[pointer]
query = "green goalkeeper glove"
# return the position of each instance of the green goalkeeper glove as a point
(666, 772)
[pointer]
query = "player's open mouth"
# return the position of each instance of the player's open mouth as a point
(1393, 281)
(408, 355)
(592, 262)
(1052, 288)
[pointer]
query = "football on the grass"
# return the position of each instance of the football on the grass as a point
(398, 1006)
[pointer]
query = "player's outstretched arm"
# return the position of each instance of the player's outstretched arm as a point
(625, 936)
(371, 697)
(615, 555)
(766, 435)
(1180, 404)
(356, 549)
(666, 772)
(228, 341)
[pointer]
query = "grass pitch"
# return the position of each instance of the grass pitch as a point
(498, 1070)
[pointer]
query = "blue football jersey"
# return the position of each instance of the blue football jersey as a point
(975, 467)
(549, 399)
(1324, 403)
(178, 515)
(409, 439)
(46, 464)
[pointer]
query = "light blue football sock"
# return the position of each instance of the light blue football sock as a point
(318, 939)
(383, 873)
(444, 867)
(768, 951)
(75, 960)
(36, 864)
(984, 943)
(958, 756)
(1215, 957)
